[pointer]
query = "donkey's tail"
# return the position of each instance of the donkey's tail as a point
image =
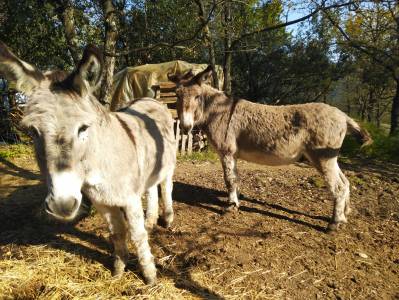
(362, 135)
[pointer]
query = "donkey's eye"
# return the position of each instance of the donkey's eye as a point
(82, 129)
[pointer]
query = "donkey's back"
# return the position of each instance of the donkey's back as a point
(281, 134)
(152, 125)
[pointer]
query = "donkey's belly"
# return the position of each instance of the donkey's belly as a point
(270, 159)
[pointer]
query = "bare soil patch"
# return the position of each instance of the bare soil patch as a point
(275, 247)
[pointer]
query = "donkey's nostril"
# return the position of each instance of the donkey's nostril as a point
(69, 205)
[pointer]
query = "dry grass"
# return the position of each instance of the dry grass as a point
(44, 273)
(40, 259)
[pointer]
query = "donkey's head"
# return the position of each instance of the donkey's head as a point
(59, 114)
(190, 101)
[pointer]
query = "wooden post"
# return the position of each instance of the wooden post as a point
(190, 143)
(177, 135)
(183, 144)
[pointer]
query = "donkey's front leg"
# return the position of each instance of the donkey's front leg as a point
(230, 178)
(117, 226)
(135, 220)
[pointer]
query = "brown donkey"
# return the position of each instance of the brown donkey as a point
(270, 135)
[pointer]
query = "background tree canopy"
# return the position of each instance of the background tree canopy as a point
(345, 53)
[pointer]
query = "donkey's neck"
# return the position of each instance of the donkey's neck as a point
(216, 103)
(217, 112)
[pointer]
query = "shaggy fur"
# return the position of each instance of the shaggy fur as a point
(271, 135)
(113, 158)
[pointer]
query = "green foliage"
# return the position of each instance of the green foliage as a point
(384, 147)
(207, 155)
(150, 22)
(15, 151)
(32, 30)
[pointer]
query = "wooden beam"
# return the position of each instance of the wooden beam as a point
(183, 144)
(177, 135)
(190, 143)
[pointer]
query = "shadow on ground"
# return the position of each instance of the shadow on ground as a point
(24, 223)
(210, 199)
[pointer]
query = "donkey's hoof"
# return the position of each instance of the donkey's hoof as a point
(150, 277)
(150, 222)
(149, 226)
(150, 281)
(231, 208)
(165, 224)
(118, 268)
(166, 220)
(334, 227)
(117, 272)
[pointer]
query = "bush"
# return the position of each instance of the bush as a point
(207, 155)
(385, 147)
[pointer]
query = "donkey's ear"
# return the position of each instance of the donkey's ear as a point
(87, 75)
(188, 75)
(203, 76)
(177, 78)
(174, 77)
(26, 76)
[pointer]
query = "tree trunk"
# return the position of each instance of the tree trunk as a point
(208, 42)
(227, 48)
(395, 110)
(348, 106)
(378, 114)
(111, 34)
(370, 108)
(251, 80)
(66, 14)
(363, 108)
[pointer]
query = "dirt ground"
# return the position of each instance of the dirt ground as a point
(275, 247)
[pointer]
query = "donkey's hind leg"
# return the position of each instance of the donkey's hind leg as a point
(230, 177)
(347, 193)
(166, 191)
(151, 217)
(339, 187)
(117, 226)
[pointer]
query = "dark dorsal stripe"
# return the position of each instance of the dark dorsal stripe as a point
(127, 129)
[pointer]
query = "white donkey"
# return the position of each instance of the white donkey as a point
(271, 135)
(113, 158)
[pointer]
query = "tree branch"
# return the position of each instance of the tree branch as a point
(285, 24)
(361, 48)
(176, 44)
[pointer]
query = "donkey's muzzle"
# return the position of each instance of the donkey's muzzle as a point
(65, 209)
(185, 129)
